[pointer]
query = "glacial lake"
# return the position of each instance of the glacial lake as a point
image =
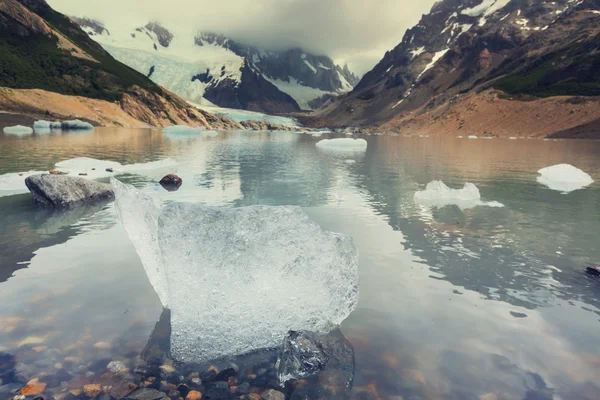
(488, 303)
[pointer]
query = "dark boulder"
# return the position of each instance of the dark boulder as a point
(594, 270)
(65, 192)
(171, 182)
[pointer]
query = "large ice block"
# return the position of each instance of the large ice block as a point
(238, 279)
(564, 178)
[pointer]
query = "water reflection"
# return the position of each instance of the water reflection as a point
(479, 303)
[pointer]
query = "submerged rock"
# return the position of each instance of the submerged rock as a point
(147, 394)
(171, 182)
(304, 354)
(60, 191)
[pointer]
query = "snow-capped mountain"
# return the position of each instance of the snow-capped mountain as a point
(210, 68)
(534, 47)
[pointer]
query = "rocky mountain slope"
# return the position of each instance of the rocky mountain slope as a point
(212, 67)
(526, 49)
(49, 66)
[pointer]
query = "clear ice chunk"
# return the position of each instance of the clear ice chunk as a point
(74, 125)
(238, 279)
(564, 178)
(437, 194)
(343, 144)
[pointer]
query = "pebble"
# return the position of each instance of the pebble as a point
(168, 369)
(92, 390)
(272, 395)
(147, 394)
(121, 389)
(196, 381)
(193, 395)
(33, 389)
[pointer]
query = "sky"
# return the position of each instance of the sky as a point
(356, 32)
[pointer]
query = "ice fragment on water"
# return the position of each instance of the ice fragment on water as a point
(437, 194)
(18, 130)
(343, 144)
(238, 279)
(564, 178)
(75, 125)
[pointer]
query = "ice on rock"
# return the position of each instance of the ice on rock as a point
(18, 130)
(343, 144)
(437, 194)
(564, 178)
(238, 279)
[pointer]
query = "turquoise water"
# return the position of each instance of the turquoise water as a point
(454, 304)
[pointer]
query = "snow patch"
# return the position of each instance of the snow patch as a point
(436, 57)
(486, 8)
(437, 194)
(564, 178)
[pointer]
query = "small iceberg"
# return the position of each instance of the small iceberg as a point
(18, 130)
(564, 178)
(42, 124)
(299, 276)
(182, 129)
(472, 137)
(74, 125)
(344, 144)
(437, 194)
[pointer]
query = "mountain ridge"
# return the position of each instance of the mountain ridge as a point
(462, 47)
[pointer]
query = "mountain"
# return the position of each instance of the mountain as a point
(209, 66)
(467, 52)
(50, 68)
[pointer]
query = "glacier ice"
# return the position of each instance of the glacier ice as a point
(183, 129)
(42, 124)
(75, 125)
(238, 279)
(343, 144)
(18, 130)
(437, 194)
(90, 168)
(564, 178)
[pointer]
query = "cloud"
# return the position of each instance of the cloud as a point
(358, 32)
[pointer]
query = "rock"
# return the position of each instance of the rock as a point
(121, 389)
(59, 191)
(110, 170)
(146, 394)
(273, 395)
(171, 182)
(183, 390)
(306, 353)
(244, 388)
(34, 389)
(116, 367)
(225, 374)
(167, 369)
(594, 270)
(193, 395)
(92, 391)
(196, 381)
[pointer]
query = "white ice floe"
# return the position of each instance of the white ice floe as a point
(564, 178)
(343, 144)
(238, 279)
(89, 168)
(180, 132)
(18, 130)
(437, 194)
(472, 137)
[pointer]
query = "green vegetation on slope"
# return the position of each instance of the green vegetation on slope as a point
(573, 70)
(34, 61)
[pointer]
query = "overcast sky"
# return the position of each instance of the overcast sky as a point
(354, 31)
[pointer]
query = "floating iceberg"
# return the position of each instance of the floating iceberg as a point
(564, 178)
(344, 144)
(90, 168)
(183, 129)
(472, 137)
(238, 279)
(18, 130)
(41, 124)
(437, 194)
(74, 125)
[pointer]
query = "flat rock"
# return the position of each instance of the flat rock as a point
(64, 192)
(146, 394)
(273, 395)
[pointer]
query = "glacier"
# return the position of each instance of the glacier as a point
(437, 194)
(564, 178)
(343, 144)
(18, 130)
(238, 279)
